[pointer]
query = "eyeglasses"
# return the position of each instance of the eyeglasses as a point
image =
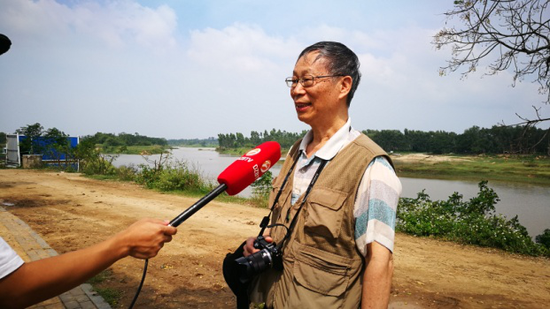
(306, 81)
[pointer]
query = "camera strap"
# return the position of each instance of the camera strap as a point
(295, 219)
(265, 220)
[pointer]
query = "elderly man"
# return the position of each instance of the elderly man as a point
(333, 219)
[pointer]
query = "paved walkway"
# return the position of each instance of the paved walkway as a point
(30, 246)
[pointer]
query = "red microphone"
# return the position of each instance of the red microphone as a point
(237, 176)
(251, 166)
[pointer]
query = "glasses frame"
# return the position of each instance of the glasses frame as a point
(292, 83)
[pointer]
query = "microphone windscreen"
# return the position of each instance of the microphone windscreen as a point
(251, 166)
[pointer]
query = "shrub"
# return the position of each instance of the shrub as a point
(544, 239)
(126, 173)
(147, 176)
(471, 222)
(176, 177)
(98, 165)
(179, 178)
(261, 189)
(92, 161)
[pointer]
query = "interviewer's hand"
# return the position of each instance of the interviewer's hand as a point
(145, 238)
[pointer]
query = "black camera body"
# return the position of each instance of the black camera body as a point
(269, 256)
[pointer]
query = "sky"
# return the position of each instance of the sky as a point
(194, 69)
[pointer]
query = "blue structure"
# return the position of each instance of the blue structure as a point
(44, 146)
(40, 145)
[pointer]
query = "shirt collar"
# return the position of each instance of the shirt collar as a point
(332, 146)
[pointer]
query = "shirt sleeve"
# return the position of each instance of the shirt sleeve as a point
(9, 260)
(376, 205)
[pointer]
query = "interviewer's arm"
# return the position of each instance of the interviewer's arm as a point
(377, 277)
(39, 280)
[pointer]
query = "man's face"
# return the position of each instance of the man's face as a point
(317, 105)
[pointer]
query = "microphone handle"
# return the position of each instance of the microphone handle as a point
(198, 205)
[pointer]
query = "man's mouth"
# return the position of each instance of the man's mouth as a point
(300, 106)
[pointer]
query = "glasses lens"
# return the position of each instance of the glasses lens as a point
(308, 81)
(290, 82)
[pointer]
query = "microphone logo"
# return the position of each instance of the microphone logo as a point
(253, 152)
(256, 171)
(265, 166)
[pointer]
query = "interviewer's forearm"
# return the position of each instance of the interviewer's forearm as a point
(39, 280)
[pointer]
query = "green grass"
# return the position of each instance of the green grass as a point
(152, 149)
(111, 296)
(517, 169)
(233, 151)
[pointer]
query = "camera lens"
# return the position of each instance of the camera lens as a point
(253, 264)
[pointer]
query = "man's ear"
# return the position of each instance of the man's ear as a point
(345, 86)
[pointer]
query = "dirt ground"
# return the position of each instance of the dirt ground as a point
(70, 212)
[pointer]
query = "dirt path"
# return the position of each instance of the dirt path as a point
(72, 212)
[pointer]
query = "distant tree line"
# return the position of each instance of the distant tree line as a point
(125, 139)
(238, 140)
(207, 142)
(475, 140)
(40, 140)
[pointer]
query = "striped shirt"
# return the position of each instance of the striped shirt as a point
(378, 193)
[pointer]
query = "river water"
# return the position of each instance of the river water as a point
(530, 203)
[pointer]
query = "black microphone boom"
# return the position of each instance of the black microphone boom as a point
(198, 205)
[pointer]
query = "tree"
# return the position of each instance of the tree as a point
(517, 32)
(57, 146)
(255, 138)
(442, 142)
(390, 140)
(417, 140)
(544, 238)
(31, 131)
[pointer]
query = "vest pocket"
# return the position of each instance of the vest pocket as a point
(321, 271)
(324, 214)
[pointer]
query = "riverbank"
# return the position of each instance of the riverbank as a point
(504, 168)
(70, 212)
(136, 150)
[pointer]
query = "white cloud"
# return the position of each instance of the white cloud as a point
(120, 23)
(123, 66)
(239, 47)
(116, 24)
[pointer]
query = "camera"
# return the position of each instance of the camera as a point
(269, 256)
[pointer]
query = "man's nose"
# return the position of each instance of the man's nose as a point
(298, 89)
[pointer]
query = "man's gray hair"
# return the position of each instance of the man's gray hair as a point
(340, 61)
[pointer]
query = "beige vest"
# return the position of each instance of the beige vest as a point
(322, 266)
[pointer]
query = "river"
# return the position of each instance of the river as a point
(530, 203)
